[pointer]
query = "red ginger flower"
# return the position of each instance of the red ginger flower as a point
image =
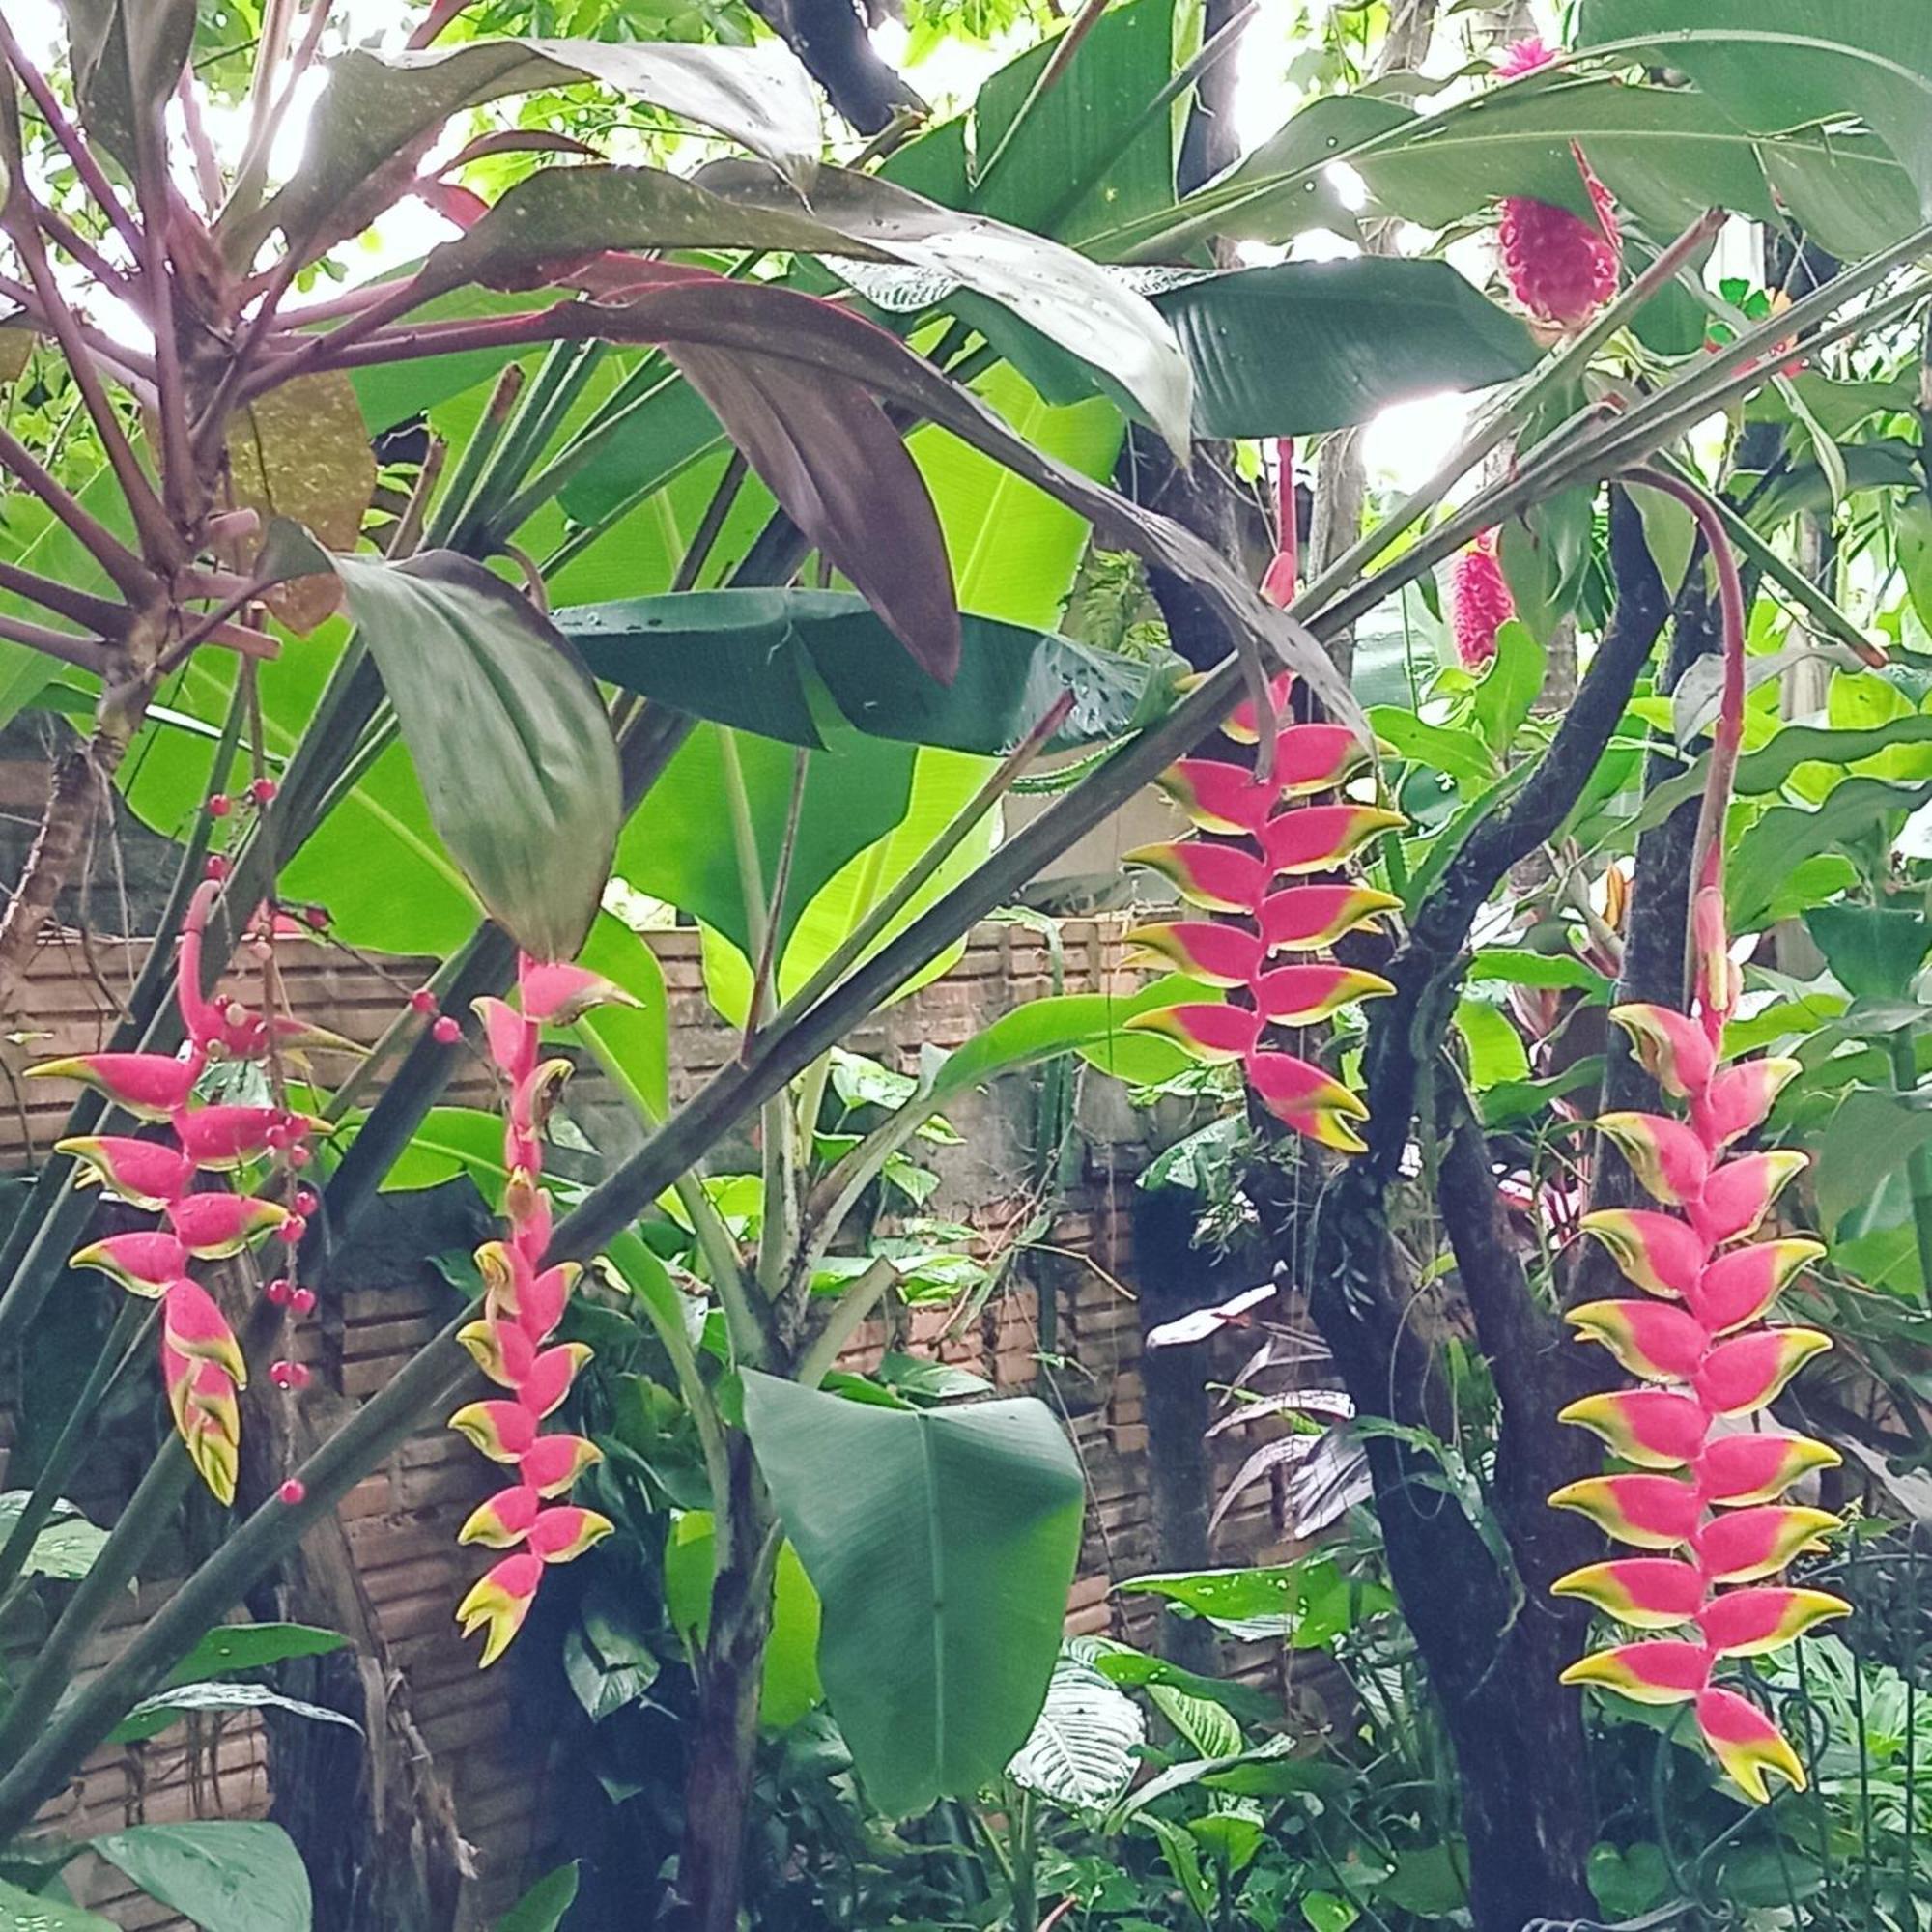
(1283, 835)
(1479, 600)
(1561, 266)
(522, 1303)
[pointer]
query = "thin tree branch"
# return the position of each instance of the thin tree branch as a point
(130, 576)
(88, 653)
(97, 614)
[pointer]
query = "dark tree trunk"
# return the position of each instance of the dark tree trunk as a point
(724, 1728)
(1492, 1642)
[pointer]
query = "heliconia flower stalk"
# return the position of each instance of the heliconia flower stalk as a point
(1705, 1498)
(1561, 266)
(202, 1366)
(1284, 835)
(522, 1303)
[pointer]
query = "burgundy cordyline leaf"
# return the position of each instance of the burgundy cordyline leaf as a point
(1714, 1501)
(202, 1366)
(522, 1303)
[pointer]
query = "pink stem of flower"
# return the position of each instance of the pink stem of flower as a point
(1707, 851)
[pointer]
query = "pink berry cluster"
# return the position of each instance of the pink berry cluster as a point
(1560, 267)
(261, 1148)
(522, 1303)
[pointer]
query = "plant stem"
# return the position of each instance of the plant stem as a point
(849, 1314)
(117, 1350)
(1918, 1163)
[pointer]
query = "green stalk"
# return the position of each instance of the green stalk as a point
(117, 1350)
(475, 467)
(1917, 1163)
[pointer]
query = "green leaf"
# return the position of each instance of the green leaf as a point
(1071, 302)
(1509, 687)
(542, 1908)
(632, 1044)
(28, 1912)
(678, 846)
(380, 113)
(1279, 351)
(65, 1546)
(451, 1141)
(249, 1646)
(1517, 966)
(1544, 555)
(1251, 1602)
(1874, 951)
(1093, 149)
(1437, 748)
(942, 1543)
(1868, 1139)
(503, 725)
(1122, 1666)
(764, 661)
(1772, 65)
(226, 1877)
(791, 1686)
(1495, 1049)
(1084, 1746)
(154, 1715)
(1765, 859)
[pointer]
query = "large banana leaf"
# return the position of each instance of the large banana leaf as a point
(942, 1543)
(1773, 65)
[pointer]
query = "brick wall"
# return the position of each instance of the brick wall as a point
(399, 1522)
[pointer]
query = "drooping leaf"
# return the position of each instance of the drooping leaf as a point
(379, 114)
(1082, 1750)
(511, 745)
(248, 1646)
(1301, 347)
(65, 1546)
(942, 1543)
(1772, 65)
(154, 1715)
(1066, 297)
(1766, 855)
(1874, 951)
(753, 659)
(225, 1876)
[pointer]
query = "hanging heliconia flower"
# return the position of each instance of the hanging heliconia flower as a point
(523, 1304)
(1480, 603)
(202, 1366)
(1281, 832)
(1561, 266)
(1704, 1496)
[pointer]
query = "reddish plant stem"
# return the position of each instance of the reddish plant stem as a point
(89, 653)
(129, 574)
(22, 224)
(65, 235)
(207, 168)
(1727, 740)
(97, 614)
(323, 352)
(433, 22)
(128, 363)
(180, 495)
(93, 178)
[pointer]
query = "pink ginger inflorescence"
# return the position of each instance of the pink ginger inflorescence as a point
(263, 1146)
(1281, 831)
(1561, 266)
(523, 1302)
(1480, 603)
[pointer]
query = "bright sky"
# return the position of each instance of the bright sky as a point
(1403, 446)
